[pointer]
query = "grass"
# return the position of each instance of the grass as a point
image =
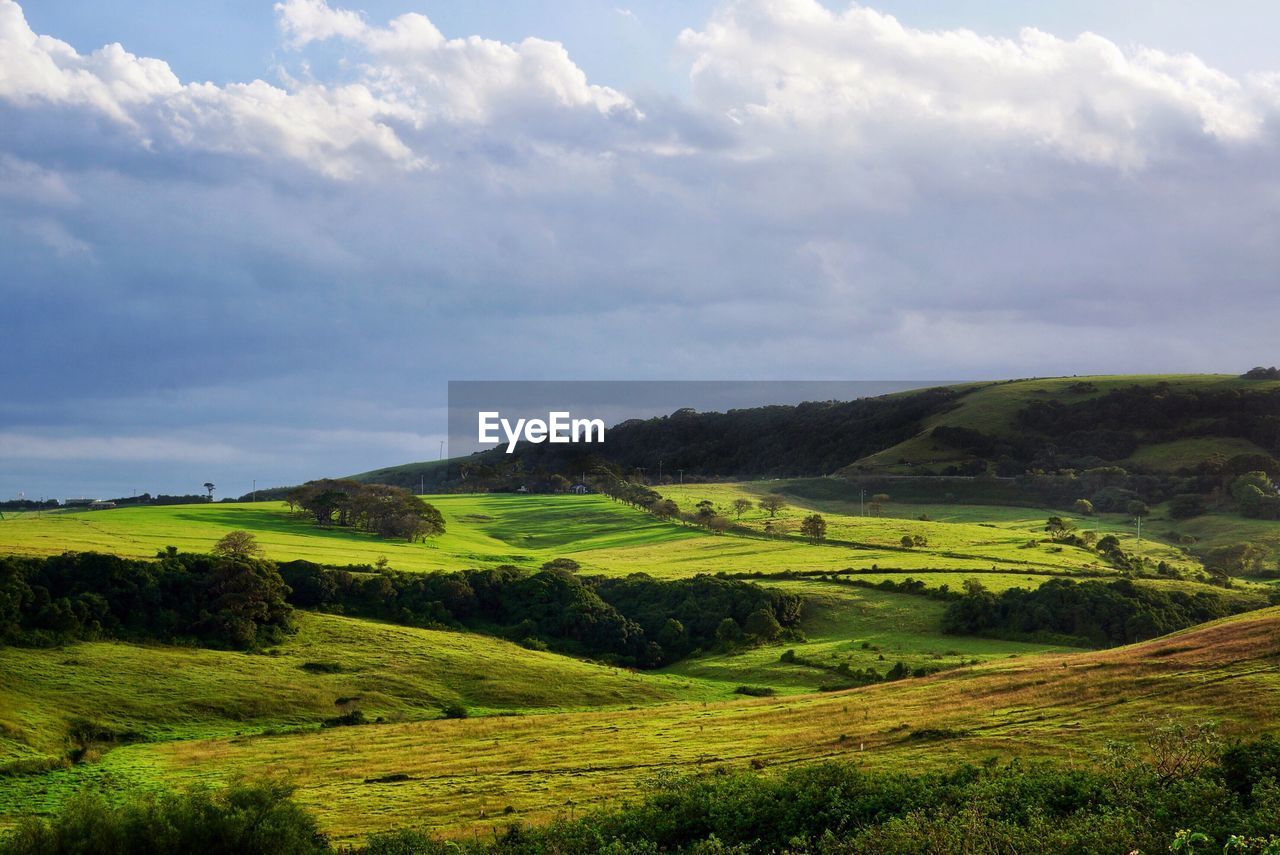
(164, 693)
(481, 530)
(857, 627)
(959, 536)
(471, 776)
(606, 537)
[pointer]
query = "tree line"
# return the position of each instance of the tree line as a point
(1092, 613)
(235, 599)
(637, 621)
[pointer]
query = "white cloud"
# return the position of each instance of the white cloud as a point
(412, 79)
(458, 80)
(305, 21)
(861, 80)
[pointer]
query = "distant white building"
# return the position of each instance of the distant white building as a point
(580, 489)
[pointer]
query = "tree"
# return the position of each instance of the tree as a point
(237, 544)
(740, 505)
(1059, 527)
(665, 509)
(1083, 507)
(1186, 505)
(1137, 509)
(717, 524)
(763, 625)
(772, 504)
(814, 527)
(209, 487)
(706, 509)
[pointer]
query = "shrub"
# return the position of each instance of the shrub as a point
(243, 819)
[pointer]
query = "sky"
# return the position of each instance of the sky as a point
(252, 241)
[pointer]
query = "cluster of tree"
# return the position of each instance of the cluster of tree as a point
(1097, 430)
(219, 601)
(1256, 496)
(1260, 373)
(635, 621)
(1157, 413)
(187, 499)
(1090, 613)
(1181, 791)
(906, 586)
(28, 505)
(376, 508)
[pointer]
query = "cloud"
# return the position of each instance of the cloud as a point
(466, 80)
(293, 268)
(306, 21)
(792, 68)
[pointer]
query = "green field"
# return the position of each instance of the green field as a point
(548, 734)
(958, 536)
(481, 530)
(605, 536)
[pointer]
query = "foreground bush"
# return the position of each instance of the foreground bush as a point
(257, 819)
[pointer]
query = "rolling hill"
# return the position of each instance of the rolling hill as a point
(470, 776)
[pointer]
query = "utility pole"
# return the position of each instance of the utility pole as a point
(421, 482)
(442, 449)
(681, 471)
(255, 489)
(862, 502)
(1139, 519)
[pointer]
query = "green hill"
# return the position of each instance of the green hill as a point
(1151, 423)
(478, 775)
(1176, 441)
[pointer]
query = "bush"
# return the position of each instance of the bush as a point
(1186, 505)
(1099, 613)
(244, 819)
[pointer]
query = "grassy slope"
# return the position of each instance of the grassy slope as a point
(461, 776)
(397, 672)
(986, 534)
(481, 529)
(991, 409)
(863, 628)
